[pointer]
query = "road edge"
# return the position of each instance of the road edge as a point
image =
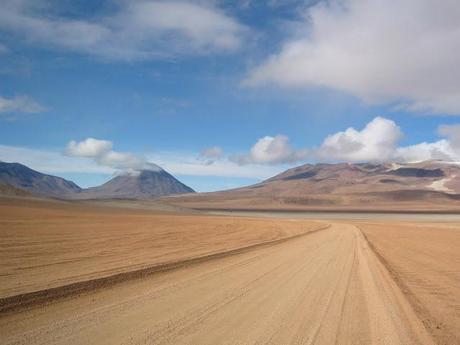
(28, 300)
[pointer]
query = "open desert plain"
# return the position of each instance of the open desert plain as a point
(229, 172)
(102, 273)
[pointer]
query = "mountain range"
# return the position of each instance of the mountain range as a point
(426, 185)
(17, 179)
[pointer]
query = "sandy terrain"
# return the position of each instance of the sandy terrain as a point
(295, 281)
(322, 288)
(429, 202)
(49, 244)
(424, 259)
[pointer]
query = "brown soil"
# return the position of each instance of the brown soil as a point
(424, 259)
(46, 244)
(294, 281)
(323, 288)
(394, 201)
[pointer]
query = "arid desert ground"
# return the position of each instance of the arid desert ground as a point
(82, 273)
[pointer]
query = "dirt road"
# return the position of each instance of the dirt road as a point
(49, 244)
(326, 287)
(424, 259)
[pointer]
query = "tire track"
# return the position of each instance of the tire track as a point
(318, 290)
(424, 315)
(27, 300)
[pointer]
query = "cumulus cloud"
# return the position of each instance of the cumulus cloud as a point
(271, 150)
(142, 29)
(89, 147)
(404, 52)
(452, 133)
(211, 154)
(439, 150)
(51, 161)
(447, 149)
(375, 142)
(20, 104)
(122, 160)
(378, 142)
(101, 152)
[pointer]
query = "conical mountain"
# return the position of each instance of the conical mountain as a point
(142, 184)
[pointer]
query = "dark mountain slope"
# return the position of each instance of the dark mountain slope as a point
(22, 177)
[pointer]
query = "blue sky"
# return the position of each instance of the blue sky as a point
(226, 93)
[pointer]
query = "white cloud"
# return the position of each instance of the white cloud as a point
(189, 164)
(137, 30)
(375, 142)
(214, 152)
(54, 162)
(271, 150)
(439, 150)
(378, 142)
(101, 152)
(51, 161)
(211, 154)
(201, 26)
(89, 147)
(452, 132)
(447, 149)
(122, 160)
(381, 51)
(20, 104)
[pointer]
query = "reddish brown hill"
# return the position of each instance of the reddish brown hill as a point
(426, 185)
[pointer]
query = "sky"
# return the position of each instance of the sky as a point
(226, 93)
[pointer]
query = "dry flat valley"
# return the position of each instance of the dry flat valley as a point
(80, 273)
